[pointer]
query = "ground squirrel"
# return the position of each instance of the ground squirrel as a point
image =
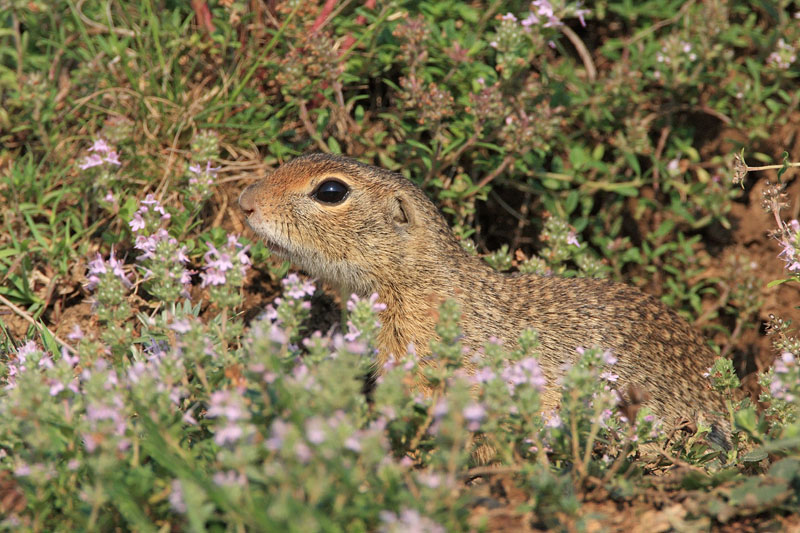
(367, 230)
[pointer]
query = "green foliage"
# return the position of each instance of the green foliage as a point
(593, 138)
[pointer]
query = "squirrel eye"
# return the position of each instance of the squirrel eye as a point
(331, 192)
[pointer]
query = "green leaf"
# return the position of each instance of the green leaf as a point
(754, 456)
(416, 144)
(333, 144)
(779, 281)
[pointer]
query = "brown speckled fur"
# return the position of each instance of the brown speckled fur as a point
(388, 237)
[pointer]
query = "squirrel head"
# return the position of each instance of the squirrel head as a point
(353, 225)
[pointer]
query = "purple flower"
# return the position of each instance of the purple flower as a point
(526, 371)
(176, 500)
(552, 22)
(220, 262)
(303, 452)
(609, 358)
(137, 222)
(212, 277)
(474, 413)
(150, 200)
(112, 158)
(609, 376)
(784, 56)
(483, 375)
(278, 335)
(440, 409)
(573, 239)
(116, 269)
(93, 160)
(224, 404)
(29, 348)
(375, 305)
(209, 170)
(270, 313)
(76, 334)
(543, 8)
(409, 520)
(429, 479)
(181, 326)
(278, 432)
(23, 469)
(55, 387)
(96, 412)
(71, 360)
(553, 420)
(229, 479)
(296, 288)
(509, 16)
(353, 333)
(229, 433)
(580, 13)
(100, 145)
(98, 267)
(352, 444)
(315, 433)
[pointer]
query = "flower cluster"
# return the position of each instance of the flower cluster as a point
(111, 286)
(163, 261)
(785, 384)
(200, 180)
(103, 154)
(229, 409)
(224, 271)
(205, 145)
(103, 162)
(113, 268)
(790, 242)
(148, 218)
(363, 325)
(288, 314)
(163, 258)
(784, 56)
(674, 48)
(781, 391)
(515, 39)
(408, 520)
(675, 60)
(524, 372)
(544, 14)
(430, 102)
(313, 61)
(414, 35)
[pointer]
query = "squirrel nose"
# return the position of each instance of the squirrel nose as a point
(247, 201)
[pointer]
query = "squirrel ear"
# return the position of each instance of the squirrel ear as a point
(401, 211)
